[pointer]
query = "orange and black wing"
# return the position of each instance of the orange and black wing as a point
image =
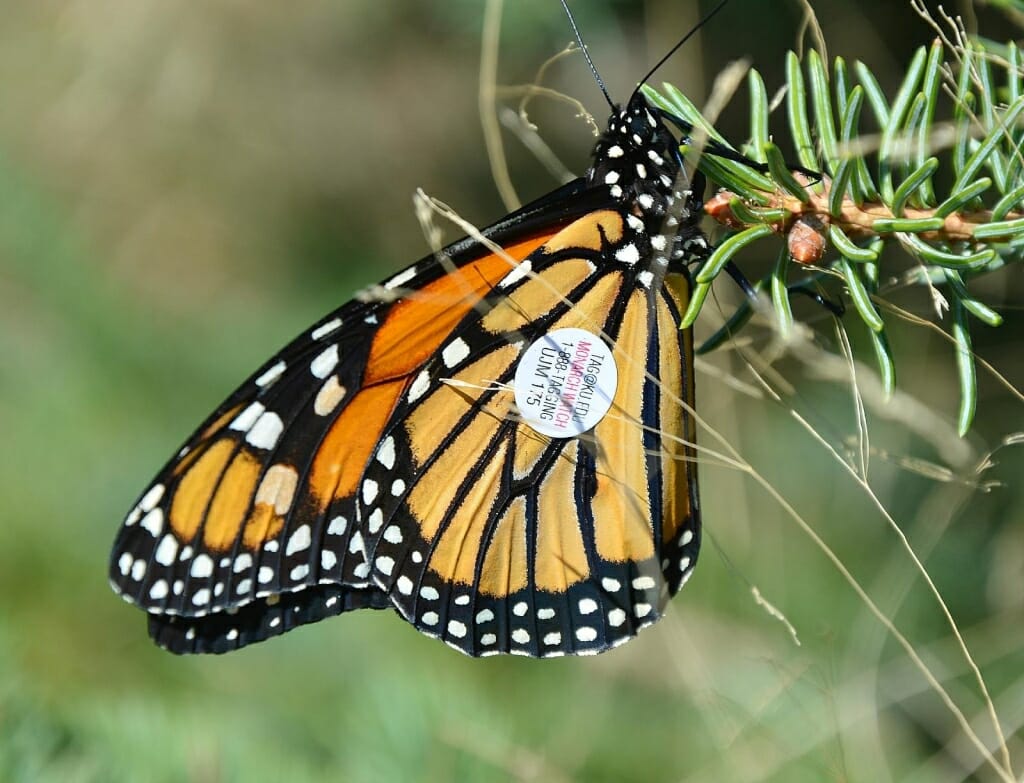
(386, 458)
(251, 528)
(498, 538)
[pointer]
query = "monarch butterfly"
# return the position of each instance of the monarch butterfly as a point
(498, 445)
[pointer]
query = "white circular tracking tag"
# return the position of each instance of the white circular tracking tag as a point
(565, 382)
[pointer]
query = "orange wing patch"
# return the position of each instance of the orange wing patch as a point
(416, 327)
(587, 232)
(592, 309)
(339, 461)
(435, 490)
(504, 569)
(674, 465)
(529, 448)
(621, 501)
(231, 500)
(455, 556)
(217, 487)
(561, 559)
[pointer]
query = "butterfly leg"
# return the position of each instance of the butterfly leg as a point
(742, 313)
(803, 287)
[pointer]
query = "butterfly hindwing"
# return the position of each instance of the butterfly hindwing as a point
(498, 538)
(260, 619)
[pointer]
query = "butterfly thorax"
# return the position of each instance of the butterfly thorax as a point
(637, 158)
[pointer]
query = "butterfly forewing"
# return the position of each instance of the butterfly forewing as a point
(260, 500)
(210, 532)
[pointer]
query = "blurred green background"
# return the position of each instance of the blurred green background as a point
(185, 186)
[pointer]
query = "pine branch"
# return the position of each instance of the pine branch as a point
(873, 191)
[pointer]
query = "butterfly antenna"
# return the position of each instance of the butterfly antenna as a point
(583, 46)
(675, 48)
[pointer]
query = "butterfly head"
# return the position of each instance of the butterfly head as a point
(638, 159)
